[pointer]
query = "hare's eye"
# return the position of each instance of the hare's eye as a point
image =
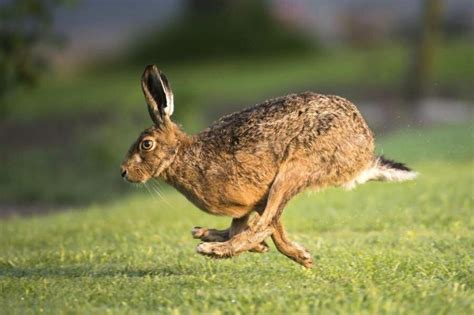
(147, 145)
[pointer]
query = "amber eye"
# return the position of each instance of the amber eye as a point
(147, 145)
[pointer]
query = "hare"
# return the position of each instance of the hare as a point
(249, 164)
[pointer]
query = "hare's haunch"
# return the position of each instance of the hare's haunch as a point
(249, 164)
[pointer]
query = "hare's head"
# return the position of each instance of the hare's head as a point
(156, 147)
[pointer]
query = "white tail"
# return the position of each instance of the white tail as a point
(383, 170)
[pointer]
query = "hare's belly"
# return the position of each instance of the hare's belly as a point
(231, 198)
(235, 198)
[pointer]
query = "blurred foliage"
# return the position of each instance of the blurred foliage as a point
(202, 88)
(77, 162)
(219, 30)
(97, 111)
(24, 26)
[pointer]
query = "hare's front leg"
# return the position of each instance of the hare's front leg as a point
(237, 226)
(210, 235)
(287, 183)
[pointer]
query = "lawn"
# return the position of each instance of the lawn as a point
(382, 248)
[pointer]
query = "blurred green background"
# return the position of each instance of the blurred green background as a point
(71, 104)
(76, 238)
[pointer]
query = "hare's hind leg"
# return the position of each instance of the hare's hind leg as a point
(237, 226)
(287, 183)
(240, 224)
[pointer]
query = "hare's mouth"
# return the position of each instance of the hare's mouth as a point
(134, 177)
(136, 181)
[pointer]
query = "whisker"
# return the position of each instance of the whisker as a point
(149, 191)
(154, 184)
(156, 187)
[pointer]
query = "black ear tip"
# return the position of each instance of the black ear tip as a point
(151, 69)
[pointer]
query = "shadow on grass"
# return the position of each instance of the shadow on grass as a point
(83, 271)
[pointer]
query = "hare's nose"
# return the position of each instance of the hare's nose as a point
(124, 171)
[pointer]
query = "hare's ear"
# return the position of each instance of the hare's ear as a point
(158, 94)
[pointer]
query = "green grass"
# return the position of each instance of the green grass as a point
(382, 248)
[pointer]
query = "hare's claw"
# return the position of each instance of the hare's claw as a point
(198, 232)
(215, 250)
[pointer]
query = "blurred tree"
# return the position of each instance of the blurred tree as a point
(24, 26)
(210, 29)
(420, 72)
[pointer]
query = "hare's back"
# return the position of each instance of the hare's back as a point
(276, 122)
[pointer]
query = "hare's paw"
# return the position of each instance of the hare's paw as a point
(305, 259)
(215, 250)
(199, 232)
(210, 235)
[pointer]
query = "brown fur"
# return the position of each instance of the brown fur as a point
(255, 160)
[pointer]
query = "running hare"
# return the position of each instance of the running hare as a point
(255, 161)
